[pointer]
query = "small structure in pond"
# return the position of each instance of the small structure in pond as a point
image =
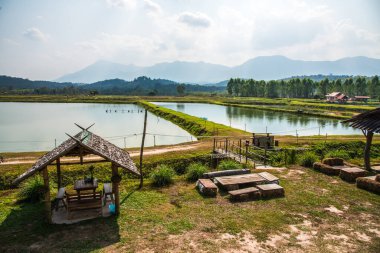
(264, 141)
(369, 123)
(81, 144)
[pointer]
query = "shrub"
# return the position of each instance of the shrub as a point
(195, 171)
(162, 176)
(307, 159)
(291, 156)
(32, 190)
(338, 154)
(229, 165)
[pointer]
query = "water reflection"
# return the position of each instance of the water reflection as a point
(39, 126)
(260, 121)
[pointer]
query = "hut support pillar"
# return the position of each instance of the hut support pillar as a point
(47, 195)
(367, 161)
(115, 187)
(59, 177)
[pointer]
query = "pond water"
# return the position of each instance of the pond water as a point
(41, 126)
(261, 121)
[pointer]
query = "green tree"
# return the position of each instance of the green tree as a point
(181, 89)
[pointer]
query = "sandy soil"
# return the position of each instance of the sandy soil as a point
(150, 151)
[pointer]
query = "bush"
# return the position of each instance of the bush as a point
(229, 165)
(32, 190)
(195, 171)
(162, 176)
(307, 159)
(291, 156)
(338, 154)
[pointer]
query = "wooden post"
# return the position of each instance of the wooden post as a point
(367, 161)
(246, 152)
(47, 195)
(226, 145)
(81, 155)
(115, 187)
(240, 149)
(213, 149)
(142, 149)
(59, 178)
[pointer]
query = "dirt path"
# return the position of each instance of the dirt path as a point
(151, 151)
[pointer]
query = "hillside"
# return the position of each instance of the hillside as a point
(259, 68)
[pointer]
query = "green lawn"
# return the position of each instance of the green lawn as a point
(178, 218)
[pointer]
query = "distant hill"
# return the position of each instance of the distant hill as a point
(259, 68)
(139, 86)
(20, 83)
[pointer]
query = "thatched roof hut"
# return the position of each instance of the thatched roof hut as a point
(369, 123)
(81, 144)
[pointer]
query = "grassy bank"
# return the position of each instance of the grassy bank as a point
(192, 124)
(319, 214)
(310, 107)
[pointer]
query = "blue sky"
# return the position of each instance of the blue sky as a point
(44, 39)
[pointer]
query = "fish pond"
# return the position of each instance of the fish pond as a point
(262, 121)
(42, 126)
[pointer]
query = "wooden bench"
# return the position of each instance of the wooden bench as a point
(271, 190)
(207, 187)
(350, 174)
(246, 193)
(84, 201)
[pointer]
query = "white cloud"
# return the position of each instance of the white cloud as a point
(195, 19)
(129, 4)
(35, 34)
(151, 6)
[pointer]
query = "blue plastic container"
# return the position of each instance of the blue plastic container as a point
(112, 208)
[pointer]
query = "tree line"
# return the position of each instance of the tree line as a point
(304, 87)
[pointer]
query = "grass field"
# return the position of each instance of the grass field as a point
(319, 213)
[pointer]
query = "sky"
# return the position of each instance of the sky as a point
(44, 39)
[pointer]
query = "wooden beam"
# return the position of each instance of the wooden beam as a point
(115, 187)
(84, 162)
(81, 155)
(47, 195)
(59, 177)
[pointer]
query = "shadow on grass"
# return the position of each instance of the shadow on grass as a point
(25, 230)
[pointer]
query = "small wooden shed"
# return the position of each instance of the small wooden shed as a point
(369, 123)
(82, 144)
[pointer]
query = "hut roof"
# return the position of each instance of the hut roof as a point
(85, 142)
(368, 121)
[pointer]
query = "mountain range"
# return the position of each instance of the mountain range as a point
(259, 68)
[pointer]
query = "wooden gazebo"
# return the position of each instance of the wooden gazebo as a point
(82, 144)
(369, 123)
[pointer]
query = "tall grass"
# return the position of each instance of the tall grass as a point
(195, 171)
(32, 190)
(162, 176)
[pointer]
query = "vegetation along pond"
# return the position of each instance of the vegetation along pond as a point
(41, 126)
(261, 121)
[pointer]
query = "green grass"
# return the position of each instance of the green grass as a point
(151, 217)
